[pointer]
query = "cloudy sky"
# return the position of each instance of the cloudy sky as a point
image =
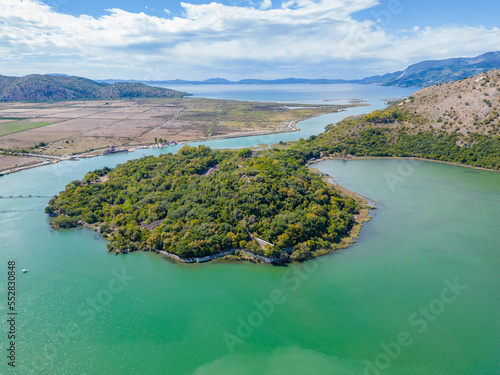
(235, 39)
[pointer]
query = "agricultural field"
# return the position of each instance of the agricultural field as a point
(76, 127)
(9, 161)
(10, 126)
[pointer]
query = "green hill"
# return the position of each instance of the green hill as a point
(37, 88)
(200, 202)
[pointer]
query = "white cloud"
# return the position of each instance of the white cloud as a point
(266, 4)
(312, 36)
(441, 43)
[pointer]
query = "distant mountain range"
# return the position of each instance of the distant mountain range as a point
(422, 74)
(427, 73)
(59, 87)
(223, 81)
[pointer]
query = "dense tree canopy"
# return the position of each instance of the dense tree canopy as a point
(383, 133)
(201, 202)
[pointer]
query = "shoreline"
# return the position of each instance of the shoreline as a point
(232, 255)
(354, 158)
(362, 217)
(288, 128)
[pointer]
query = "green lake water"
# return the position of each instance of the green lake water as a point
(417, 294)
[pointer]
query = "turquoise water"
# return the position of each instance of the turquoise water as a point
(84, 311)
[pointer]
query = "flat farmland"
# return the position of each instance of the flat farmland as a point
(118, 113)
(76, 127)
(165, 113)
(86, 142)
(10, 127)
(230, 127)
(131, 128)
(79, 113)
(8, 162)
(175, 130)
(14, 112)
(53, 133)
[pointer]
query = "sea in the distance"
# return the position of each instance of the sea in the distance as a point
(417, 294)
(296, 93)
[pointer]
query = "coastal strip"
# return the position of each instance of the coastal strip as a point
(248, 254)
(53, 159)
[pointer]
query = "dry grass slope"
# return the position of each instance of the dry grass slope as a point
(469, 105)
(455, 122)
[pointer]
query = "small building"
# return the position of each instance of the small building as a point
(114, 150)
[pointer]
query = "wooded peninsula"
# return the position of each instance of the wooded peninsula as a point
(202, 202)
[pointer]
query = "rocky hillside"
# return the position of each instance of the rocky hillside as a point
(456, 122)
(432, 72)
(468, 106)
(59, 88)
(5, 81)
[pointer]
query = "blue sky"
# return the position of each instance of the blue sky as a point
(437, 13)
(238, 39)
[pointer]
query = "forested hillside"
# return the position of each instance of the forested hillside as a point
(200, 202)
(36, 88)
(454, 122)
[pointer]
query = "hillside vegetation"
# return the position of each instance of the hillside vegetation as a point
(454, 122)
(200, 202)
(36, 88)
